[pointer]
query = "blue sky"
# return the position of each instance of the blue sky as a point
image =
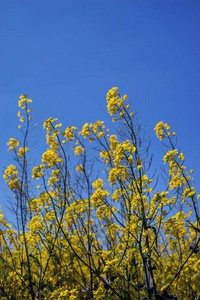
(66, 55)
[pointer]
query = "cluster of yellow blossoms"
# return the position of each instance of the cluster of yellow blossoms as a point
(163, 130)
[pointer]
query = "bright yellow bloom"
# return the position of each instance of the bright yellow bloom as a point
(69, 134)
(78, 150)
(38, 171)
(13, 143)
(139, 167)
(85, 130)
(21, 151)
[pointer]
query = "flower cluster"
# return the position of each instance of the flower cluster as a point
(163, 130)
(11, 176)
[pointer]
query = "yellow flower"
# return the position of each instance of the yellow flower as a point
(98, 183)
(181, 157)
(69, 134)
(79, 168)
(13, 143)
(85, 130)
(21, 151)
(114, 119)
(78, 150)
(11, 177)
(38, 171)
(50, 158)
(130, 159)
(139, 167)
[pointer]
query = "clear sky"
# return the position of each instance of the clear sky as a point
(67, 54)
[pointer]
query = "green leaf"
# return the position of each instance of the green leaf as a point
(25, 277)
(34, 258)
(193, 227)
